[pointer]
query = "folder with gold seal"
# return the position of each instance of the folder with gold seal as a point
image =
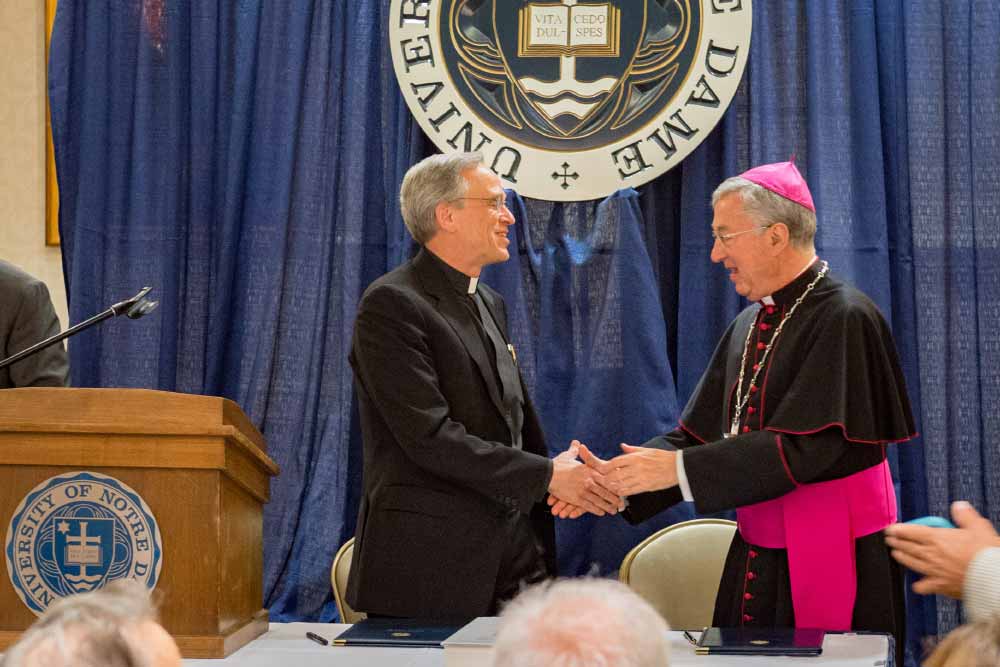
(400, 632)
(760, 641)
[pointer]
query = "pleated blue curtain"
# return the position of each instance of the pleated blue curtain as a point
(244, 159)
(584, 313)
(951, 149)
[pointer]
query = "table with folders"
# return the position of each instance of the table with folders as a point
(287, 644)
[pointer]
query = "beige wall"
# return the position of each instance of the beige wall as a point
(22, 146)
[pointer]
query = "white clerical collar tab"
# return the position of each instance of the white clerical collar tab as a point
(769, 300)
(473, 283)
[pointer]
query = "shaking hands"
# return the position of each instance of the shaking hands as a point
(594, 485)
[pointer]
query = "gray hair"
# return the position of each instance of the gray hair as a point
(972, 644)
(433, 180)
(769, 208)
(88, 630)
(582, 622)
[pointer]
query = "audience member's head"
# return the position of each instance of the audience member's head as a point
(580, 623)
(970, 645)
(112, 627)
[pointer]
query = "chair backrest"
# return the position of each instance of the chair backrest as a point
(677, 570)
(338, 578)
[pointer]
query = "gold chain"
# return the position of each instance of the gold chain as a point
(741, 402)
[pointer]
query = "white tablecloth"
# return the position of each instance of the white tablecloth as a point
(285, 645)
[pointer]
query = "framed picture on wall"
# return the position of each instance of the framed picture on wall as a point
(51, 185)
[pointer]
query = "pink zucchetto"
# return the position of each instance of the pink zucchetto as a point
(782, 178)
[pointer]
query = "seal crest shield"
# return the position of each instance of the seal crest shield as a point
(76, 532)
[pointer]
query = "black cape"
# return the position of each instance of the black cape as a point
(828, 399)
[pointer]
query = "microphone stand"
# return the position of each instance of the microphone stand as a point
(134, 308)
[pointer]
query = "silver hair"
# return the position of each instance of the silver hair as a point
(88, 630)
(435, 179)
(583, 622)
(975, 643)
(769, 208)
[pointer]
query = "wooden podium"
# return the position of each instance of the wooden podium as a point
(196, 461)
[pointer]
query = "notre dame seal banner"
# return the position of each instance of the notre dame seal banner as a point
(569, 99)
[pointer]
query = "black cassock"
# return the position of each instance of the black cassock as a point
(828, 399)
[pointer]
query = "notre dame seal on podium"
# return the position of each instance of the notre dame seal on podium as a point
(570, 100)
(77, 531)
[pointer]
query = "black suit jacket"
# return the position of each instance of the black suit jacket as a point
(440, 476)
(27, 317)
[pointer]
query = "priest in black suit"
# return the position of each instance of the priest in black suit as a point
(453, 520)
(27, 317)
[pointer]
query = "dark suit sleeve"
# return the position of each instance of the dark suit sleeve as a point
(396, 366)
(34, 321)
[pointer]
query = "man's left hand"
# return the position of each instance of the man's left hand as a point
(942, 554)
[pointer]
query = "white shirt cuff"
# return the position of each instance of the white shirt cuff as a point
(981, 590)
(682, 478)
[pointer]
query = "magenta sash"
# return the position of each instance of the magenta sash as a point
(817, 524)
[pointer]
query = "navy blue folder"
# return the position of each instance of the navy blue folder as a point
(760, 641)
(403, 632)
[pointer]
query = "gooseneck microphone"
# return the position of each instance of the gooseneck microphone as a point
(133, 308)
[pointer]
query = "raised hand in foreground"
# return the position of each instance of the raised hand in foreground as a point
(942, 555)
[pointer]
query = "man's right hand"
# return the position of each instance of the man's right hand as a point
(580, 486)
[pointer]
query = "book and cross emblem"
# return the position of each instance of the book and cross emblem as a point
(83, 550)
(569, 69)
(569, 31)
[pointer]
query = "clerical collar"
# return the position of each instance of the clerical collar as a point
(790, 292)
(462, 283)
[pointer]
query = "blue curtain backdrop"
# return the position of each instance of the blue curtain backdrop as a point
(587, 321)
(244, 159)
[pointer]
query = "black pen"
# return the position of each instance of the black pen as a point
(316, 638)
(691, 640)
